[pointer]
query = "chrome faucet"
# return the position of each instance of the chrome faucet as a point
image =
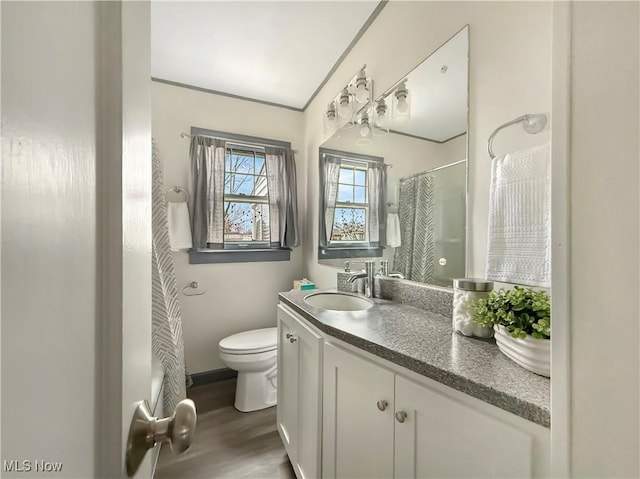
(367, 274)
(384, 270)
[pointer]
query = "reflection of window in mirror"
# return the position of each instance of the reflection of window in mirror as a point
(352, 204)
(352, 210)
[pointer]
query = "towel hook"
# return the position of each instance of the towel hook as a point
(531, 123)
(192, 285)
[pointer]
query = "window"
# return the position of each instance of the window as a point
(351, 212)
(352, 205)
(246, 198)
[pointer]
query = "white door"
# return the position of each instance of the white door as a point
(76, 236)
(357, 417)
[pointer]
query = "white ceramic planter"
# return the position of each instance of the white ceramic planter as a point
(530, 353)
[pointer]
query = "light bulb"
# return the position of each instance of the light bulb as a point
(380, 120)
(345, 109)
(402, 105)
(365, 129)
(330, 120)
(344, 105)
(332, 123)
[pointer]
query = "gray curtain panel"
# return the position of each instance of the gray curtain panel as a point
(283, 196)
(207, 186)
(166, 338)
(329, 175)
(415, 257)
(377, 181)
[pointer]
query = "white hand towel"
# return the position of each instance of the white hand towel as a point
(519, 233)
(393, 230)
(179, 226)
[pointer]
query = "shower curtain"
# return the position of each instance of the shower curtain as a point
(167, 342)
(415, 257)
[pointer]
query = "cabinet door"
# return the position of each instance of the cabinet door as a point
(287, 408)
(309, 400)
(357, 435)
(442, 438)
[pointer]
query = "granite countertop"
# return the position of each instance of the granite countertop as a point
(424, 342)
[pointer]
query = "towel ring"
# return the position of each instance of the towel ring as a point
(177, 189)
(532, 124)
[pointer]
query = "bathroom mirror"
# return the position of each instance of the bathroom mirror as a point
(422, 140)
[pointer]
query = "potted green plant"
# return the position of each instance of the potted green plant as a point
(521, 319)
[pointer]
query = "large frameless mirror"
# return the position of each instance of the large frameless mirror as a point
(393, 182)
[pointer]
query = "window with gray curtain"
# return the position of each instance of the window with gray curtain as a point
(244, 195)
(352, 205)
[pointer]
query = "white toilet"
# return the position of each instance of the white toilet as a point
(254, 355)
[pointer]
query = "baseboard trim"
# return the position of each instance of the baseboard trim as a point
(207, 377)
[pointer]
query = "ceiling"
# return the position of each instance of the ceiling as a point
(275, 52)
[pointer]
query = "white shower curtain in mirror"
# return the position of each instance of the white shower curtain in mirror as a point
(415, 257)
(167, 341)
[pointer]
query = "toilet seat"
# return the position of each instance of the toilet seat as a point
(250, 342)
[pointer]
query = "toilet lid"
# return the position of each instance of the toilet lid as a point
(255, 341)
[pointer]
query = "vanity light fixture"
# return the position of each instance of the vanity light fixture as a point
(352, 100)
(401, 102)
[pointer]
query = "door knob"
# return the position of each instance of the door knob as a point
(289, 335)
(292, 339)
(382, 405)
(401, 416)
(146, 431)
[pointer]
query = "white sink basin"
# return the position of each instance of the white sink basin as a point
(338, 301)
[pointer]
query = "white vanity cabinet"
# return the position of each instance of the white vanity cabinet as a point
(379, 423)
(299, 392)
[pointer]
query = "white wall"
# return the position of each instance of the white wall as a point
(239, 296)
(604, 239)
(49, 235)
(510, 74)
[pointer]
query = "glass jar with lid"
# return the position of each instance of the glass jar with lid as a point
(465, 292)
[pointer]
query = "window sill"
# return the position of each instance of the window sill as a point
(209, 256)
(336, 253)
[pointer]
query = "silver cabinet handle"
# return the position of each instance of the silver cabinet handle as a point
(289, 335)
(382, 405)
(292, 339)
(146, 431)
(401, 416)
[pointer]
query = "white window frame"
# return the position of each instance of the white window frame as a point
(364, 167)
(256, 151)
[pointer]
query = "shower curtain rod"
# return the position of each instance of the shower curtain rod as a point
(430, 171)
(239, 142)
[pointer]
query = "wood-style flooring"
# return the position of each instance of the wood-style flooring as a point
(228, 443)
